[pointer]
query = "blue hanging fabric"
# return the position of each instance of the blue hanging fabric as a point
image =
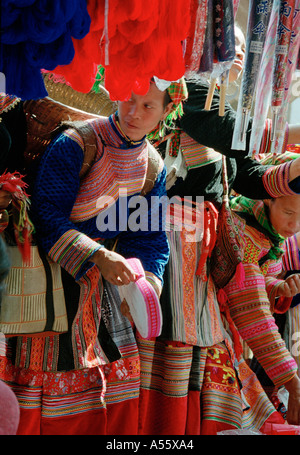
(38, 34)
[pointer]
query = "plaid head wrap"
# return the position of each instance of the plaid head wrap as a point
(178, 93)
(259, 211)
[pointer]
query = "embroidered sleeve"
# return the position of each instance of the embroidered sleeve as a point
(276, 180)
(291, 258)
(156, 283)
(251, 313)
(272, 284)
(72, 250)
(56, 188)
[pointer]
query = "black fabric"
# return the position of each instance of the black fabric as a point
(4, 266)
(209, 129)
(166, 308)
(244, 176)
(5, 145)
(15, 125)
(49, 292)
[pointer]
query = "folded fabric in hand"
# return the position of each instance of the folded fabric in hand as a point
(143, 302)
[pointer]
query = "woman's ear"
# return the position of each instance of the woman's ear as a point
(168, 110)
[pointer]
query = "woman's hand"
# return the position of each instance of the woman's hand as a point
(113, 267)
(125, 310)
(290, 286)
(293, 411)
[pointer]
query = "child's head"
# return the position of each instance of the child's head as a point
(240, 51)
(284, 214)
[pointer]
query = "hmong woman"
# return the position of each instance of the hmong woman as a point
(191, 380)
(251, 306)
(86, 381)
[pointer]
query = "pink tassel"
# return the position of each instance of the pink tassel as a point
(240, 275)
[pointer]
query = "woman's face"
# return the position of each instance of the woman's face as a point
(141, 114)
(284, 213)
(240, 48)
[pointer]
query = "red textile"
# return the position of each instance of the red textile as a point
(87, 423)
(30, 422)
(133, 41)
(193, 421)
(161, 415)
(122, 418)
(69, 403)
(182, 397)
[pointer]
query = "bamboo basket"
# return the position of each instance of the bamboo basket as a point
(94, 103)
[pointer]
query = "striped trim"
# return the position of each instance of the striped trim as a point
(291, 258)
(75, 136)
(154, 281)
(165, 368)
(276, 180)
(260, 407)
(195, 154)
(29, 398)
(72, 404)
(72, 250)
(120, 391)
(221, 406)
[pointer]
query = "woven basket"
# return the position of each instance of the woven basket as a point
(63, 104)
(94, 103)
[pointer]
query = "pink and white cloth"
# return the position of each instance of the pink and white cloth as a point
(143, 302)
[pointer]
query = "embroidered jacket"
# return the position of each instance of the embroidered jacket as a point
(69, 215)
(252, 307)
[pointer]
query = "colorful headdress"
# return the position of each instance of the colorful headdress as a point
(178, 93)
(23, 228)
